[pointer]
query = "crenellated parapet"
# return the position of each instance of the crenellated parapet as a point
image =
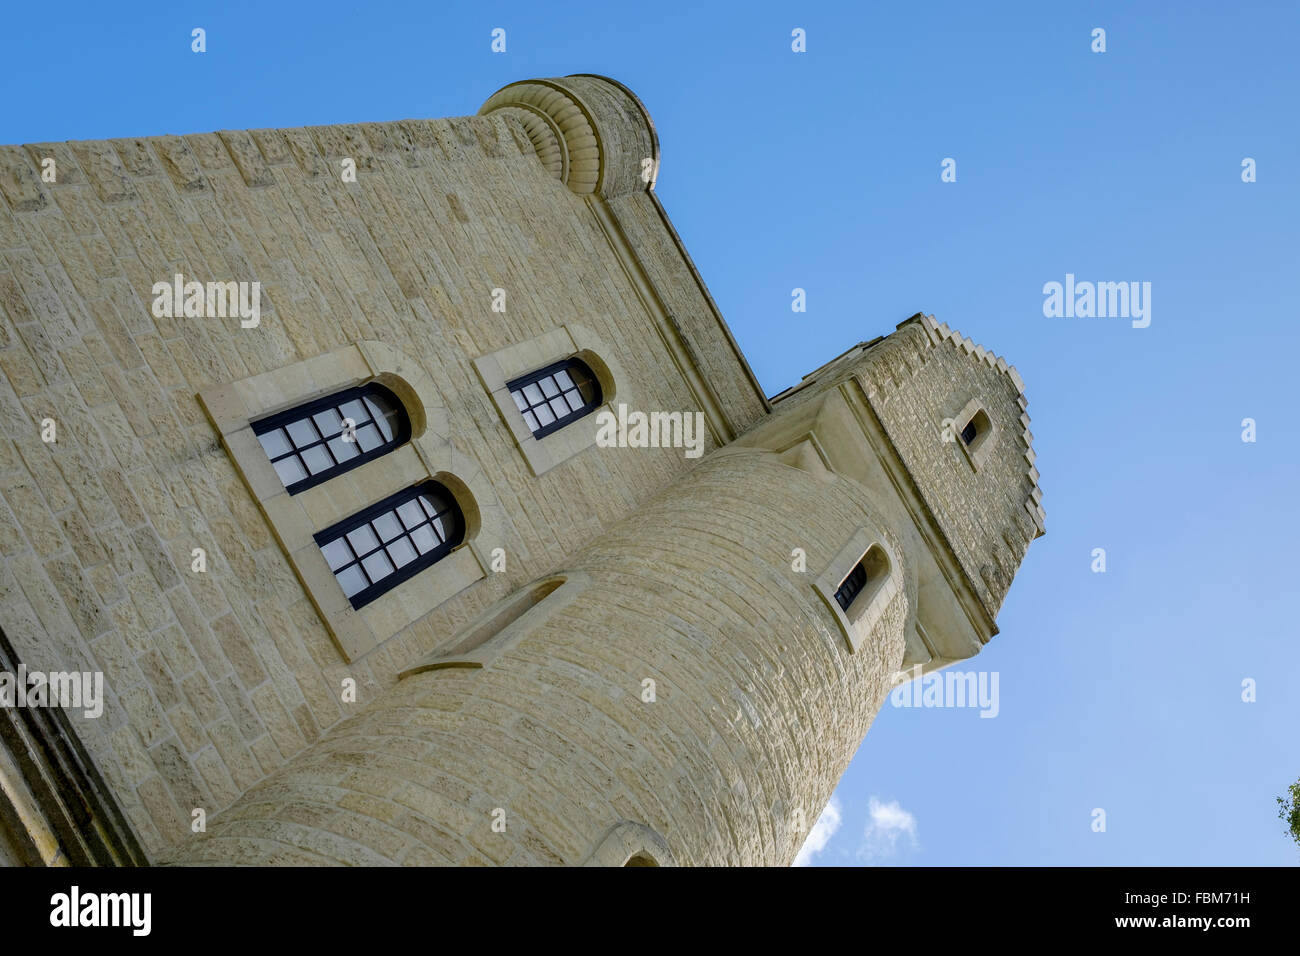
(941, 333)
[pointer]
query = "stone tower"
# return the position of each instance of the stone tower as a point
(618, 655)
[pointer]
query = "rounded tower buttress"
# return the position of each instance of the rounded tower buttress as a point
(685, 675)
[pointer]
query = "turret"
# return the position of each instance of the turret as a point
(936, 427)
(691, 684)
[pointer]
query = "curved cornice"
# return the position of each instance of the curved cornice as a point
(590, 132)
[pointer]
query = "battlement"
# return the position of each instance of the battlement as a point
(940, 332)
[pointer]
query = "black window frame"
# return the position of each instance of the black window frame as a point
(385, 584)
(518, 384)
(973, 428)
(854, 583)
(401, 432)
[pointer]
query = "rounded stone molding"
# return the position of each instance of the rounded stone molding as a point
(486, 520)
(408, 380)
(601, 359)
(629, 843)
(590, 132)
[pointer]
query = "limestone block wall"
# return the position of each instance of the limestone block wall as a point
(759, 703)
(990, 511)
(216, 680)
(988, 505)
(687, 303)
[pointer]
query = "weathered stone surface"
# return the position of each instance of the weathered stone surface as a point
(225, 686)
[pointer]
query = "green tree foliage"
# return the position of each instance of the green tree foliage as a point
(1288, 811)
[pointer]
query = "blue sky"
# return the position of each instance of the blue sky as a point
(821, 170)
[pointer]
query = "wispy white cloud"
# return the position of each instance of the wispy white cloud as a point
(888, 824)
(820, 834)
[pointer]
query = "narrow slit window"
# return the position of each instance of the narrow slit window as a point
(975, 429)
(314, 442)
(555, 396)
(377, 549)
(861, 585)
(851, 586)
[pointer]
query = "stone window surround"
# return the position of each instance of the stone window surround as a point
(370, 542)
(628, 839)
(580, 378)
(514, 361)
(977, 454)
(371, 394)
(294, 519)
(869, 605)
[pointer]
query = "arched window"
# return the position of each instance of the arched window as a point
(850, 586)
(314, 442)
(377, 549)
(859, 583)
(552, 397)
(976, 433)
(862, 584)
(631, 844)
